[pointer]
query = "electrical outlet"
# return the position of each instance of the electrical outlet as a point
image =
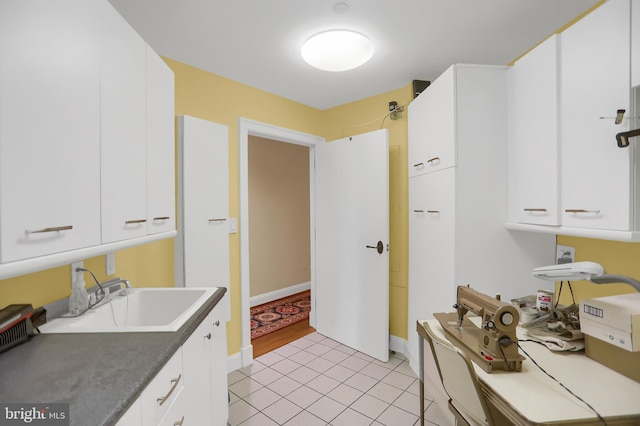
(75, 265)
(110, 261)
(565, 254)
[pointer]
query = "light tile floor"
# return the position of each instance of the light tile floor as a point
(318, 381)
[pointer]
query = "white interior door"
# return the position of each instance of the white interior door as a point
(352, 220)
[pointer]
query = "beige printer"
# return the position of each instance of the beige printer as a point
(611, 326)
(613, 319)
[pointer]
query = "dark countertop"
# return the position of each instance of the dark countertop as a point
(99, 374)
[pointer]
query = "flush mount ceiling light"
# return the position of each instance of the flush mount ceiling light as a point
(337, 50)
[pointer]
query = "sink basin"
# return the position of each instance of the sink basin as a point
(136, 310)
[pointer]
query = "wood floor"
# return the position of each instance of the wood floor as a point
(279, 338)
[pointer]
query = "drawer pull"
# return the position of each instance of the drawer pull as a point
(418, 165)
(582, 211)
(433, 211)
(535, 210)
(208, 336)
(433, 159)
(179, 422)
(418, 211)
(163, 399)
(218, 220)
(52, 229)
(134, 221)
(217, 323)
(161, 218)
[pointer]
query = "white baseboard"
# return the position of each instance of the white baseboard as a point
(278, 294)
(240, 359)
(234, 362)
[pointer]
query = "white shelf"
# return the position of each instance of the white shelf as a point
(602, 234)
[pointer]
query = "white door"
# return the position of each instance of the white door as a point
(352, 221)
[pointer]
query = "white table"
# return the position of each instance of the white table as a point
(530, 397)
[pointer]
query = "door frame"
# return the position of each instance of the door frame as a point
(246, 128)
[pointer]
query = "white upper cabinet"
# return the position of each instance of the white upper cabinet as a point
(635, 44)
(160, 121)
(49, 128)
(533, 136)
(433, 128)
(123, 131)
(81, 100)
(596, 175)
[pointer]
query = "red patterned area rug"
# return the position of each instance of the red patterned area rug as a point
(280, 313)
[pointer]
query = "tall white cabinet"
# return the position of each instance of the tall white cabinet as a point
(457, 213)
(202, 244)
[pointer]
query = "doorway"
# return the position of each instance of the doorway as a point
(247, 129)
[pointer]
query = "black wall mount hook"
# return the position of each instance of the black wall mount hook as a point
(623, 137)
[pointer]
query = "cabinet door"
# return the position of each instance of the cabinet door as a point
(431, 247)
(123, 131)
(160, 146)
(595, 80)
(205, 371)
(218, 365)
(533, 136)
(204, 203)
(50, 127)
(432, 127)
(196, 354)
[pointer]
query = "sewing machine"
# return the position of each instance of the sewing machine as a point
(493, 345)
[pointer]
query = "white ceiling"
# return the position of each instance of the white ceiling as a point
(257, 42)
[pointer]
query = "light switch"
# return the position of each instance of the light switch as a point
(233, 225)
(110, 260)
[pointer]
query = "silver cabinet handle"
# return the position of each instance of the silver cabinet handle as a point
(134, 221)
(418, 211)
(51, 229)
(217, 323)
(433, 211)
(418, 165)
(163, 399)
(433, 159)
(222, 219)
(535, 210)
(582, 211)
(208, 336)
(161, 218)
(179, 422)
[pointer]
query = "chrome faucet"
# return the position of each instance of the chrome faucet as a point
(114, 282)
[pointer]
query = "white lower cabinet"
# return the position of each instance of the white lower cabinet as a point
(205, 371)
(191, 389)
(163, 390)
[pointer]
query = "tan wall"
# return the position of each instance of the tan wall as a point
(279, 253)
